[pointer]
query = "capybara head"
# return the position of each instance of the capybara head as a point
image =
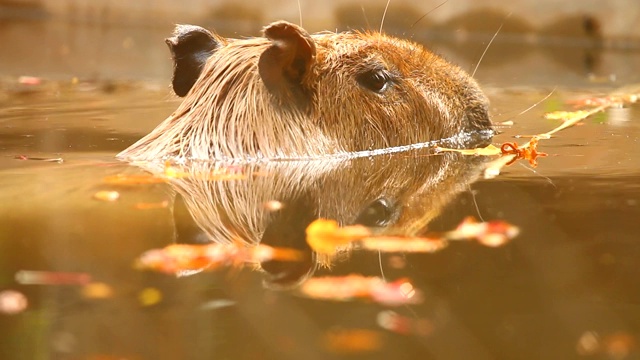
(294, 95)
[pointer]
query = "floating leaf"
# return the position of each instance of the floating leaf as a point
(150, 206)
(567, 115)
(569, 118)
(352, 287)
(492, 233)
(106, 195)
(97, 290)
(529, 152)
(326, 236)
(184, 258)
(485, 151)
(149, 296)
(12, 302)
(29, 80)
(29, 277)
(391, 244)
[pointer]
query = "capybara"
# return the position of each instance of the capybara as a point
(292, 95)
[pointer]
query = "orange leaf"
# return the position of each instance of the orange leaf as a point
(326, 236)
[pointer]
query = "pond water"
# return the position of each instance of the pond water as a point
(568, 286)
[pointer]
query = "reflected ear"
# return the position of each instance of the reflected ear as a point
(284, 65)
(190, 48)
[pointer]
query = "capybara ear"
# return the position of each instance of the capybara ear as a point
(284, 65)
(190, 48)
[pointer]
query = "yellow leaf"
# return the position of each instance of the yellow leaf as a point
(485, 151)
(567, 115)
(326, 236)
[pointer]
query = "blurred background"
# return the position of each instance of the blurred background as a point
(576, 40)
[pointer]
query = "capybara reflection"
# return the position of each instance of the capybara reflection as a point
(390, 194)
(290, 94)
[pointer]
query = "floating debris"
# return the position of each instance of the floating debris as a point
(28, 277)
(149, 296)
(511, 151)
(490, 233)
(12, 302)
(567, 115)
(184, 258)
(327, 237)
(611, 100)
(618, 345)
(29, 80)
(27, 157)
(97, 290)
(403, 325)
(151, 206)
(394, 244)
(106, 195)
(352, 287)
(485, 151)
(529, 153)
(217, 304)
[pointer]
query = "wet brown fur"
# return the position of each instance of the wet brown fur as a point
(230, 113)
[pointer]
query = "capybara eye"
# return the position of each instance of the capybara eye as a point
(374, 80)
(380, 212)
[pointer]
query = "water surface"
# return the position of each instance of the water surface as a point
(566, 287)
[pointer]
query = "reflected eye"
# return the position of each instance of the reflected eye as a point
(375, 80)
(380, 212)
